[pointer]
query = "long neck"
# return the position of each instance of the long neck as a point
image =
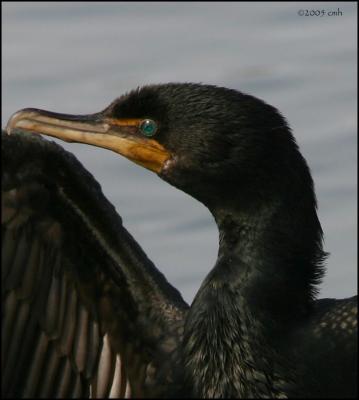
(260, 286)
(277, 252)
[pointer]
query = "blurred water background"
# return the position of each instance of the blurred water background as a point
(77, 57)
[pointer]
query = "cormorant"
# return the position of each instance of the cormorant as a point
(87, 314)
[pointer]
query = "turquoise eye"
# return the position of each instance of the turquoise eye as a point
(148, 127)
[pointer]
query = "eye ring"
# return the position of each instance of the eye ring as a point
(148, 127)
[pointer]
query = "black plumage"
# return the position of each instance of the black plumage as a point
(88, 314)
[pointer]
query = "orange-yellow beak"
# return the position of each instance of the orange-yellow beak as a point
(119, 135)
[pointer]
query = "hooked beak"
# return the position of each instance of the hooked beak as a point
(119, 135)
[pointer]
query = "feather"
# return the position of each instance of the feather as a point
(37, 367)
(105, 371)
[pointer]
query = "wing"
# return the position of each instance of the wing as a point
(84, 312)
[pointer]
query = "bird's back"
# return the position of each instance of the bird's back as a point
(327, 347)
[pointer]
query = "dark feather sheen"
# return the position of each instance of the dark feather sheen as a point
(87, 314)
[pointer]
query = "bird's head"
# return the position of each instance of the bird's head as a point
(205, 140)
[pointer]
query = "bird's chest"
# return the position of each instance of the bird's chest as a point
(221, 356)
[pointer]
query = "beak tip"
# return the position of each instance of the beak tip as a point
(12, 122)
